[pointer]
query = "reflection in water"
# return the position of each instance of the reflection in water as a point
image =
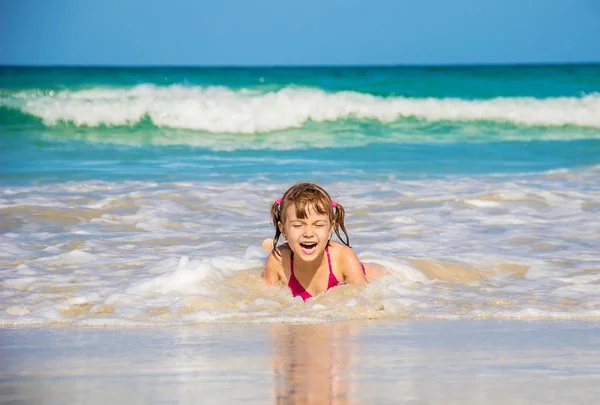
(313, 363)
(411, 362)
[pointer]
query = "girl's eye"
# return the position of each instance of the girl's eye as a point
(296, 226)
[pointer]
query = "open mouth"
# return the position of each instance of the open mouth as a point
(308, 248)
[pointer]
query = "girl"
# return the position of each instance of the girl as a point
(310, 262)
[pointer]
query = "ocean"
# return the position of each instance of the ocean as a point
(140, 196)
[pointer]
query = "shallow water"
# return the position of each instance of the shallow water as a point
(171, 253)
(407, 362)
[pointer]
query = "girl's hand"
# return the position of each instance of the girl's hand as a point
(267, 245)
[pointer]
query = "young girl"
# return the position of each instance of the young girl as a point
(310, 262)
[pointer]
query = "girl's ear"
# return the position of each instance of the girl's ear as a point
(281, 230)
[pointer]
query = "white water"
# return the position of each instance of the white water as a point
(223, 110)
(135, 253)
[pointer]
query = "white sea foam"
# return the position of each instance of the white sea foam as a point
(223, 110)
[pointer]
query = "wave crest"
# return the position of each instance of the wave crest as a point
(223, 110)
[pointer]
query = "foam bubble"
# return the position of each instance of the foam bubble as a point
(17, 310)
(74, 257)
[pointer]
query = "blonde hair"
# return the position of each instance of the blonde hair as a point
(303, 195)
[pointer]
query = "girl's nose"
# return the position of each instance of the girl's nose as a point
(308, 231)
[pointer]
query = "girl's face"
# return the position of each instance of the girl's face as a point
(306, 237)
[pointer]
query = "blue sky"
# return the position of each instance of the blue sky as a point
(302, 32)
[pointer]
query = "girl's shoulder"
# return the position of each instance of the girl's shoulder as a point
(340, 249)
(281, 255)
(345, 261)
(342, 254)
(284, 249)
(275, 269)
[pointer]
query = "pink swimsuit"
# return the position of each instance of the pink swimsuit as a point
(296, 287)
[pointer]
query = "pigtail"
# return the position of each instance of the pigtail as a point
(338, 219)
(275, 219)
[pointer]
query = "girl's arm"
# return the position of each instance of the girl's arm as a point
(353, 269)
(273, 269)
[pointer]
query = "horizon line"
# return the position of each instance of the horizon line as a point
(308, 66)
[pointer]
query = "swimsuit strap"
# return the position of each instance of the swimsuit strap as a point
(333, 281)
(329, 260)
(294, 285)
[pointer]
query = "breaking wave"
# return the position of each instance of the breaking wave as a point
(224, 110)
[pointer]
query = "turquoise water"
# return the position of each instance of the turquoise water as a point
(184, 123)
(141, 195)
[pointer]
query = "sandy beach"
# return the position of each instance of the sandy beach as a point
(373, 362)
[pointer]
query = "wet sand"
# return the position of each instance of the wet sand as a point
(373, 362)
